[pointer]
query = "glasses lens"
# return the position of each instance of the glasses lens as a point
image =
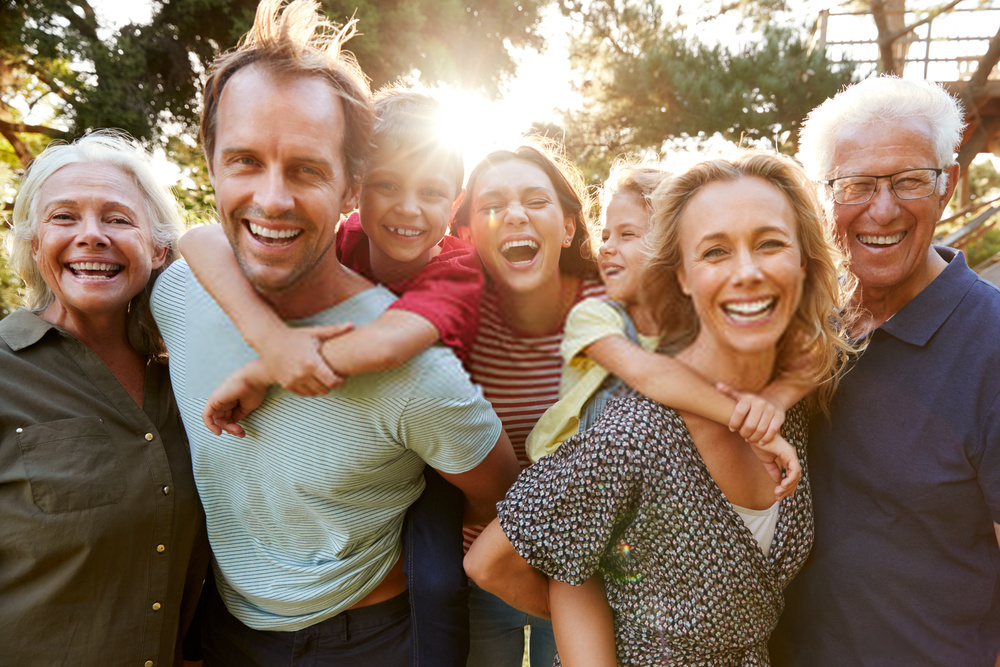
(914, 184)
(853, 189)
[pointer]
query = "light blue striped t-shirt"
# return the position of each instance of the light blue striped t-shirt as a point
(304, 514)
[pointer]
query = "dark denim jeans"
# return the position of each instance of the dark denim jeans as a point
(435, 579)
(375, 635)
(498, 634)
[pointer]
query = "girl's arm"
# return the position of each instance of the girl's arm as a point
(661, 378)
(583, 624)
(670, 382)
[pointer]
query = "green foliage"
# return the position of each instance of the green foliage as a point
(461, 42)
(9, 283)
(984, 184)
(646, 79)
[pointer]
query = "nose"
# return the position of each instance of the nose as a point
(747, 271)
(515, 214)
(274, 196)
(408, 206)
(884, 206)
(607, 248)
(93, 233)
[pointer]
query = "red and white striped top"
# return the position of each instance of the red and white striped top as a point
(519, 374)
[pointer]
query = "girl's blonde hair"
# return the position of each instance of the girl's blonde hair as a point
(627, 177)
(815, 345)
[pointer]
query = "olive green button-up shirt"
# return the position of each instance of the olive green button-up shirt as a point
(102, 542)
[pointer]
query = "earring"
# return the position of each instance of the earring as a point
(567, 242)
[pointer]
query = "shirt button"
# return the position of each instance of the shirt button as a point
(160, 548)
(149, 436)
(148, 663)
(20, 430)
(156, 606)
(166, 490)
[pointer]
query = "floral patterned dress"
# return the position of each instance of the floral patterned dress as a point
(633, 500)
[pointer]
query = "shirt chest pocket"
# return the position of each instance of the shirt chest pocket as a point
(71, 464)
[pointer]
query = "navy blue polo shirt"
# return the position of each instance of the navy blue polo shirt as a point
(905, 569)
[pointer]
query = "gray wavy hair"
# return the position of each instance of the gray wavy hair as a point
(120, 151)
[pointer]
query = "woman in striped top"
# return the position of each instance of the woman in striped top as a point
(525, 211)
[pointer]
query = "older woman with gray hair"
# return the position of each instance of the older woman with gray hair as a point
(102, 543)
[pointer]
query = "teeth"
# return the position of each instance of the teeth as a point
(521, 243)
(749, 310)
(520, 251)
(94, 266)
(870, 239)
(404, 232)
(274, 233)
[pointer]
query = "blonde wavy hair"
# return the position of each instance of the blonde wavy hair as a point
(815, 345)
(639, 179)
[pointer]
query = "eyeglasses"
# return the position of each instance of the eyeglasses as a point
(909, 184)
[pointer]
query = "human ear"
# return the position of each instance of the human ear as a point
(211, 171)
(160, 256)
(682, 282)
(351, 199)
(952, 174)
(569, 226)
(464, 233)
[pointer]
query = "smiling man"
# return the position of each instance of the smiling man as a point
(905, 569)
(304, 514)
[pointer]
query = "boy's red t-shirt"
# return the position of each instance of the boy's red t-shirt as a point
(446, 292)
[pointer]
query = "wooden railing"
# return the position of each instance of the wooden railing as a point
(945, 48)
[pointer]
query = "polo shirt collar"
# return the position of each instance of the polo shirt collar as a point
(920, 319)
(24, 328)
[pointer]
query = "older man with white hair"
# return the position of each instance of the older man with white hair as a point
(906, 471)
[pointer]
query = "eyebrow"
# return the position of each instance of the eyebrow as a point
(307, 159)
(108, 205)
(766, 229)
(497, 192)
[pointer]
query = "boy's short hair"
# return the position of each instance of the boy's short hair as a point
(408, 120)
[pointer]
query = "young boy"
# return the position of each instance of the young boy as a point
(398, 239)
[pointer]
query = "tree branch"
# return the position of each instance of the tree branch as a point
(984, 67)
(22, 152)
(934, 13)
(7, 126)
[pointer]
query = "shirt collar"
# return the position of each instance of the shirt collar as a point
(23, 328)
(920, 319)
